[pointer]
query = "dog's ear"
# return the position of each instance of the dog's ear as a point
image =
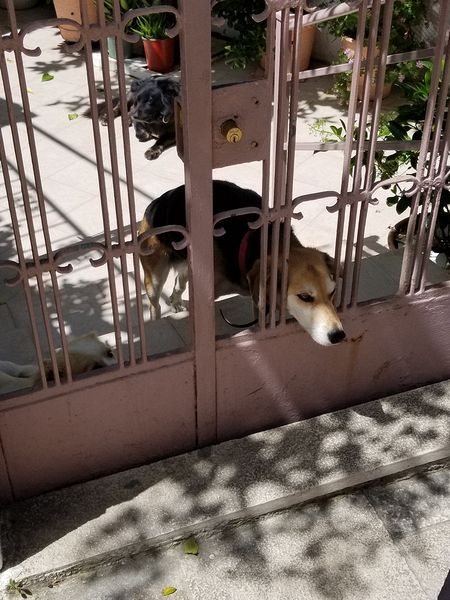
(136, 84)
(254, 277)
(331, 265)
(330, 262)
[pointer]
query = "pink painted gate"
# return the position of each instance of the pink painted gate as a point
(151, 404)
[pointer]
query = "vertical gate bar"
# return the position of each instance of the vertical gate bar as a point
(45, 227)
(438, 117)
(280, 160)
(347, 154)
(350, 261)
(367, 81)
(272, 68)
(101, 179)
(292, 132)
(376, 112)
(130, 186)
(21, 256)
(24, 189)
(115, 176)
(409, 256)
(196, 96)
(435, 198)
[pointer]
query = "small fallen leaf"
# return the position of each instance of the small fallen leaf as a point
(168, 591)
(72, 116)
(30, 91)
(47, 77)
(190, 546)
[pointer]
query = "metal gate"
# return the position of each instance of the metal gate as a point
(147, 406)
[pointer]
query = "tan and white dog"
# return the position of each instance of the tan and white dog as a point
(311, 286)
(86, 353)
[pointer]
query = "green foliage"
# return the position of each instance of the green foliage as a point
(407, 14)
(124, 5)
(149, 27)
(17, 588)
(405, 123)
(190, 546)
(250, 44)
(168, 591)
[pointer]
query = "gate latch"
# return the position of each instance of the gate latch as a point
(231, 131)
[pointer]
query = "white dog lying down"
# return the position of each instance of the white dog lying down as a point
(86, 353)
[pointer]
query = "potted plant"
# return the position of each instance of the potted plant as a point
(403, 37)
(405, 123)
(159, 49)
(248, 45)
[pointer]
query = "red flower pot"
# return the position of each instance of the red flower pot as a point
(160, 54)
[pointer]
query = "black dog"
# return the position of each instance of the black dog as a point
(150, 104)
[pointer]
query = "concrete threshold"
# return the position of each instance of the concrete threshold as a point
(105, 520)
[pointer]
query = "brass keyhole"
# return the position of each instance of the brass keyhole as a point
(231, 132)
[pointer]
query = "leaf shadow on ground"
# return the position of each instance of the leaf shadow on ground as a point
(330, 548)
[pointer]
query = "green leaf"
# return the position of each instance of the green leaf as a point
(190, 546)
(392, 200)
(47, 77)
(72, 116)
(337, 131)
(403, 204)
(168, 591)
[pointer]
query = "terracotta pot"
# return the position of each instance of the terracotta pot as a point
(160, 54)
(349, 44)
(70, 9)
(306, 45)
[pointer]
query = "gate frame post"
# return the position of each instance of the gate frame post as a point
(196, 95)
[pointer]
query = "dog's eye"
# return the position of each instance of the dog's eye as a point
(306, 297)
(109, 354)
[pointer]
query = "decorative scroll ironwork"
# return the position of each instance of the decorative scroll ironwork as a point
(141, 12)
(316, 196)
(92, 32)
(273, 214)
(227, 214)
(277, 5)
(47, 264)
(183, 243)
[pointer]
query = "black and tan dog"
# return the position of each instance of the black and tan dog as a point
(150, 105)
(311, 286)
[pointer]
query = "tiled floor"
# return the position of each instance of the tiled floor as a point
(67, 164)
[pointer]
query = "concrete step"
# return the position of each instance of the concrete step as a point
(115, 517)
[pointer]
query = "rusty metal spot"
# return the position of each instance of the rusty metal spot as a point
(357, 338)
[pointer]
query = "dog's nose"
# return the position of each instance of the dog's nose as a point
(336, 336)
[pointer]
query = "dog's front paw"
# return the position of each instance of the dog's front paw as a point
(177, 305)
(103, 120)
(153, 152)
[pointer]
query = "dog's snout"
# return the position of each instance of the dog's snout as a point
(336, 336)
